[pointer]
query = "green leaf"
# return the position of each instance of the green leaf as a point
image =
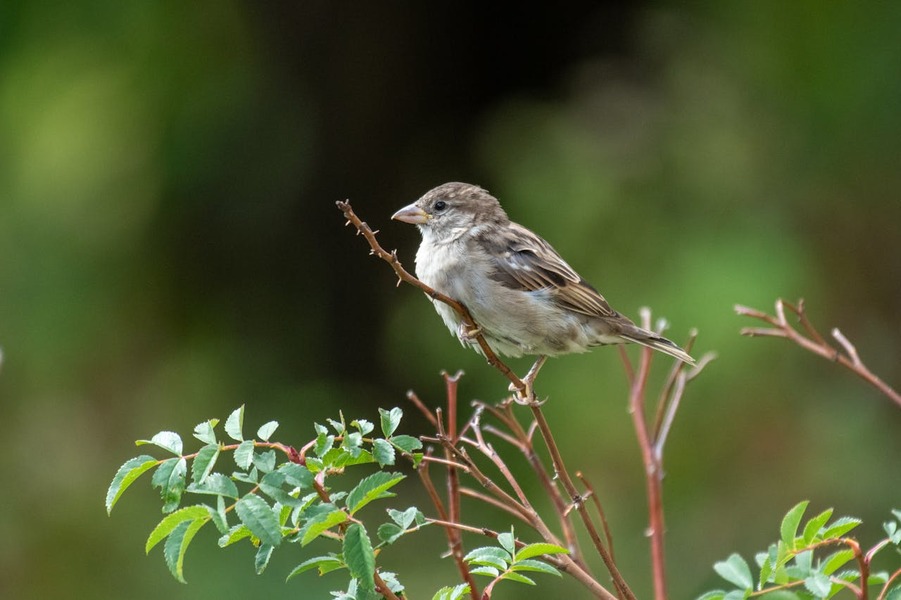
(790, 522)
(320, 523)
(535, 565)
(215, 484)
(338, 426)
(244, 455)
(170, 478)
(234, 424)
(171, 521)
(407, 517)
(840, 527)
(507, 542)
(371, 488)
(325, 564)
(877, 578)
(818, 585)
(359, 556)
(204, 462)
(452, 593)
(814, 525)
(383, 452)
(391, 581)
(204, 431)
(489, 571)
(167, 440)
(894, 593)
(220, 520)
(266, 430)
(235, 534)
(297, 475)
(713, 595)
(126, 475)
(265, 461)
(324, 441)
(259, 518)
(836, 561)
(389, 532)
(363, 425)
(177, 544)
(264, 553)
(271, 485)
(736, 571)
(406, 443)
(512, 576)
(533, 550)
(390, 419)
(491, 556)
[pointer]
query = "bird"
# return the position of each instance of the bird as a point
(524, 298)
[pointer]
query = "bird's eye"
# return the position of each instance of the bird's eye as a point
(440, 205)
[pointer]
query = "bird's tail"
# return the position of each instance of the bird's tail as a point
(652, 340)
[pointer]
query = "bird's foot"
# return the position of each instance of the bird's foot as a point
(468, 334)
(526, 394)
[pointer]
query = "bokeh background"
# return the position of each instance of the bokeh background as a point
(170, 249)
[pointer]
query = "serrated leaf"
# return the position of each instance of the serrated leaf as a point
(244, 455)
(489, 556)
(204, 431)
(389, 532)
(407, 517)
(894, 593)
(320, 523)
(735, 570)
(167, 440)
(297, 475)
(235, 534)
(390, 419)
(840, 527)
(264, 461)
(383, 452)
(489, 571)
(324, 441)
(325, 564)
(513, 576)
(359, 556)
(814, 525)
(169, 477)
(713, 595)
(789, 528)
(363, 425)
(259, 518)
(171, 521)
(215, 484)
(204, 462)
(338, 426)
(818, 585)
(353, 443)
(836, 561)
(220, 520)
(406, 443)
(271, 485)
(391, 581)
(127, 474)
(234, 424)
(736, 595)
(371, 488)
(266, 430)
(535, 565)
(261, 561)
(539, 549)
(177, 544)
(452, 593)
(507, 542)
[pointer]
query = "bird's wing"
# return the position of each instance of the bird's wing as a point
(526, 262)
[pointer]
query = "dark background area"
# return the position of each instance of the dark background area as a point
(170, 249)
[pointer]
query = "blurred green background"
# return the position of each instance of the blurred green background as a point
(170, 249)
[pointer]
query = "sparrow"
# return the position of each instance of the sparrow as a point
(524, 298)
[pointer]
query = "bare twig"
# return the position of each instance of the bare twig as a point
(601, 513)
(815, 342)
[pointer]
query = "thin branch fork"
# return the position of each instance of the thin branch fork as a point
(813, 342)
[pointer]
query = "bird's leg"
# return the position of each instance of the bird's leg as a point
(466, 333)
(527, 392)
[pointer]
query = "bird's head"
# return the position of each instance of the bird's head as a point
(451, 209)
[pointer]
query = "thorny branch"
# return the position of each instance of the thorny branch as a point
(813, 342)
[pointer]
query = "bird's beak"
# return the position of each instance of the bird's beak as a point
(411, 214)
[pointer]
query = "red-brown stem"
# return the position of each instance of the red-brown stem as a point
(412, 397)
(601, 514)
(653, 474)
(560, 469)
(815, 344)
(382, 588)
(884, 593)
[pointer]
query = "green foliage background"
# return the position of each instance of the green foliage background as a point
(169, 249)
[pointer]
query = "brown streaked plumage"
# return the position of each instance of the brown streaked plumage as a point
(525, 298)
